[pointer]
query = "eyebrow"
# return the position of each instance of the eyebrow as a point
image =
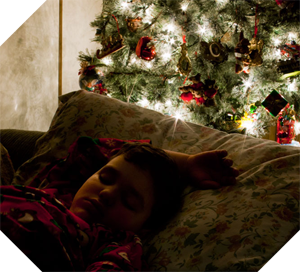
(127, 187)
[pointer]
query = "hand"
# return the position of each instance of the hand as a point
(210, 170)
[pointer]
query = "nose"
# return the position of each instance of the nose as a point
(109, 196)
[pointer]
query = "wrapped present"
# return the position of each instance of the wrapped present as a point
(286, 125)
(285, 130)
(274, 103)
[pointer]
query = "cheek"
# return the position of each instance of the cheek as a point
(122, 218)
(92, 185)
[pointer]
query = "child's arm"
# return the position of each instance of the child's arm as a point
(206, 170)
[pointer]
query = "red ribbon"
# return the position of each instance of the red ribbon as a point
(116, 22)
(183, 38)
(256, 22)
(185, 80)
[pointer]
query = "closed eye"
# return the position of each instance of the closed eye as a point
(133, 200)
(129, 205)
(107, 175)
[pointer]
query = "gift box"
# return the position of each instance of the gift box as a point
(285, 130)
(274, 103)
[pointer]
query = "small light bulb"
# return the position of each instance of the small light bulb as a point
(107, 61)
(177, 115)
(157, 106)
(125, 5)
(248, 124)
(202, 30)
(166, 56)
(168, 102)
(149, 65)
(171, 27)
(297, 127)
(276, 41)
(278, 53)
(172, 41)
(184, 6)
(133, 60)
(144, 102)
(247, 84)
(292, 86)
(292, 36)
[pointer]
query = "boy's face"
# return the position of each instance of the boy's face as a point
(120, 195)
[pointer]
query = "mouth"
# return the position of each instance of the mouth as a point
(97, 205)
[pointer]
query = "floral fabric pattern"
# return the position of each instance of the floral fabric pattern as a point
(233, 228)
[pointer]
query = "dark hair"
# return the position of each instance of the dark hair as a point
(165, 176)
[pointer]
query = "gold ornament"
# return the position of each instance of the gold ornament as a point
(213, 51)
(255, 52)
(134, 24)
(256, 44)
(184, 64)
(227, 37)
(84, 64)
(110, 45)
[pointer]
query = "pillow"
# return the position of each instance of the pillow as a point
(83, 113)
(233, 228)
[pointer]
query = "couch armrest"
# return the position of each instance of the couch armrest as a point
(20, 144)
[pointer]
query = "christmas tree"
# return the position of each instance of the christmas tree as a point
(232, 65)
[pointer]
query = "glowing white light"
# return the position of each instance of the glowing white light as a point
(177, 115)
(125, 5)
(133, 60)
(157, 106)
(172, 41)
(166, 56)
(292, 36)
(202, 30)
(149, 10)
(292, 87)
(278, 53)
(205, 28)
(107, 61)
(276, 41)
(297, 127)
(149, 65)
(248, 124)
(149, 14)
(248, 83)
(168, 102)
(144, 102)
(184, 6)
(171, 27)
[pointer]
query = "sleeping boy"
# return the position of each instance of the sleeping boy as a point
(80, 218)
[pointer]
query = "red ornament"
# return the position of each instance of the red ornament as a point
(99, 88)
(292, 50)
(202, 93)
(143, 50)
(282, 3)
